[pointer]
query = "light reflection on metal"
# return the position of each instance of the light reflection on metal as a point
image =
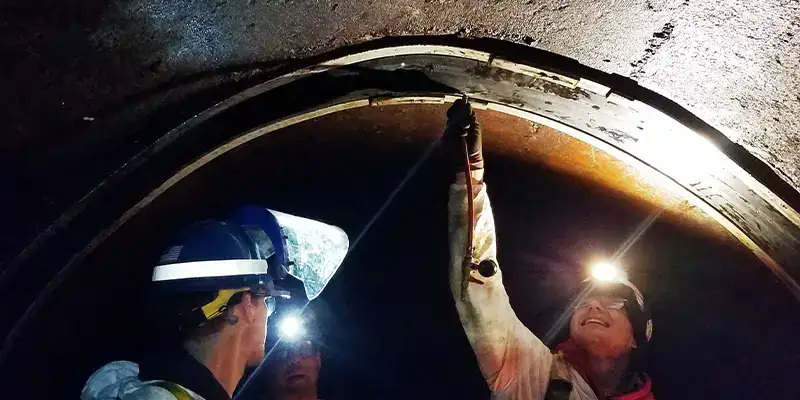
(699, 158)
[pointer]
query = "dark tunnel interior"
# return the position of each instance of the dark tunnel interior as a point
(724, 327)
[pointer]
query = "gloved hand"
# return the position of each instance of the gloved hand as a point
(461, 123)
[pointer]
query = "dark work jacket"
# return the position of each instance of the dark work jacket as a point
(180, 367)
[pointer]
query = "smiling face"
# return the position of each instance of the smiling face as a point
(601, 326)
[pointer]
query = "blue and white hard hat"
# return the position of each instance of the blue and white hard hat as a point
(249, 252)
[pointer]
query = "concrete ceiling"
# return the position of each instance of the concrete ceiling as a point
(735, 63)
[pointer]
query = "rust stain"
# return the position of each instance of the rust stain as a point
(384, 126)
(521, 139)
(561, 152)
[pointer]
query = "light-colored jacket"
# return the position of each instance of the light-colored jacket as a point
(120, 380)
(514, 362)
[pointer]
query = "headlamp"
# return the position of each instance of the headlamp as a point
(291, 328)
(606, 271)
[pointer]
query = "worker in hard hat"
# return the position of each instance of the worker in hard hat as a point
(219, 295)
(215, 285)
(294, 363)
(291, 370)
(607, 328)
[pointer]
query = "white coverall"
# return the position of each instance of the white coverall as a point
(514, 362)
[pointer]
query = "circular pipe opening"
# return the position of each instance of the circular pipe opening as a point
(714, 197)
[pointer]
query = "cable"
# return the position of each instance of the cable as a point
(470, 207)
(411, 172)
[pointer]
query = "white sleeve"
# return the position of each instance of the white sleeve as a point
(514, 362)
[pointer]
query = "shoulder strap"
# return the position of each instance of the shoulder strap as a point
(176, 390)
(560, 385)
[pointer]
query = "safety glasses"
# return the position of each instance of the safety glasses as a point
(609, 303)
(269, 300)
(303, 348)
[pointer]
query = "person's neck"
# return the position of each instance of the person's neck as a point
(606, 373)
(309, 393)
(225, 361)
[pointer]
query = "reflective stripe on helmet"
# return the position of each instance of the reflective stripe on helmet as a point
(207, 269)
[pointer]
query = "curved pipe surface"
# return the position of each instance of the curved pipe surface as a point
(608, 112)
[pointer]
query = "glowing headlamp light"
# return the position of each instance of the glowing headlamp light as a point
(606, 271)
(291, 328)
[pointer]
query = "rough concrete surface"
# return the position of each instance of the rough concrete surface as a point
(736, 63)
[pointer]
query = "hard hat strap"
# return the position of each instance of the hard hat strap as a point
(218, 305)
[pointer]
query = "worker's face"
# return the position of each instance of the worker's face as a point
(297, 368)
(601, 326)
(253, 320)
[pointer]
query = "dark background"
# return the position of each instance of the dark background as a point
(723, 326)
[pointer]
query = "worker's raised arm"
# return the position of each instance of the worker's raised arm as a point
(514, 362)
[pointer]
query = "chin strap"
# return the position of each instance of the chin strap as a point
(410, 174)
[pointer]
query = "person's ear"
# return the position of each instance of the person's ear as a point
(246, 308)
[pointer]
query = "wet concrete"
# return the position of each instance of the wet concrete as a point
(734, 63)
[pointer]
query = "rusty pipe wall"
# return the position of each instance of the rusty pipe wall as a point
(606, 112)
(554, 214)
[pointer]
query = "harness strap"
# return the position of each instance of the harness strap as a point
(560, 385)
(174, 389)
